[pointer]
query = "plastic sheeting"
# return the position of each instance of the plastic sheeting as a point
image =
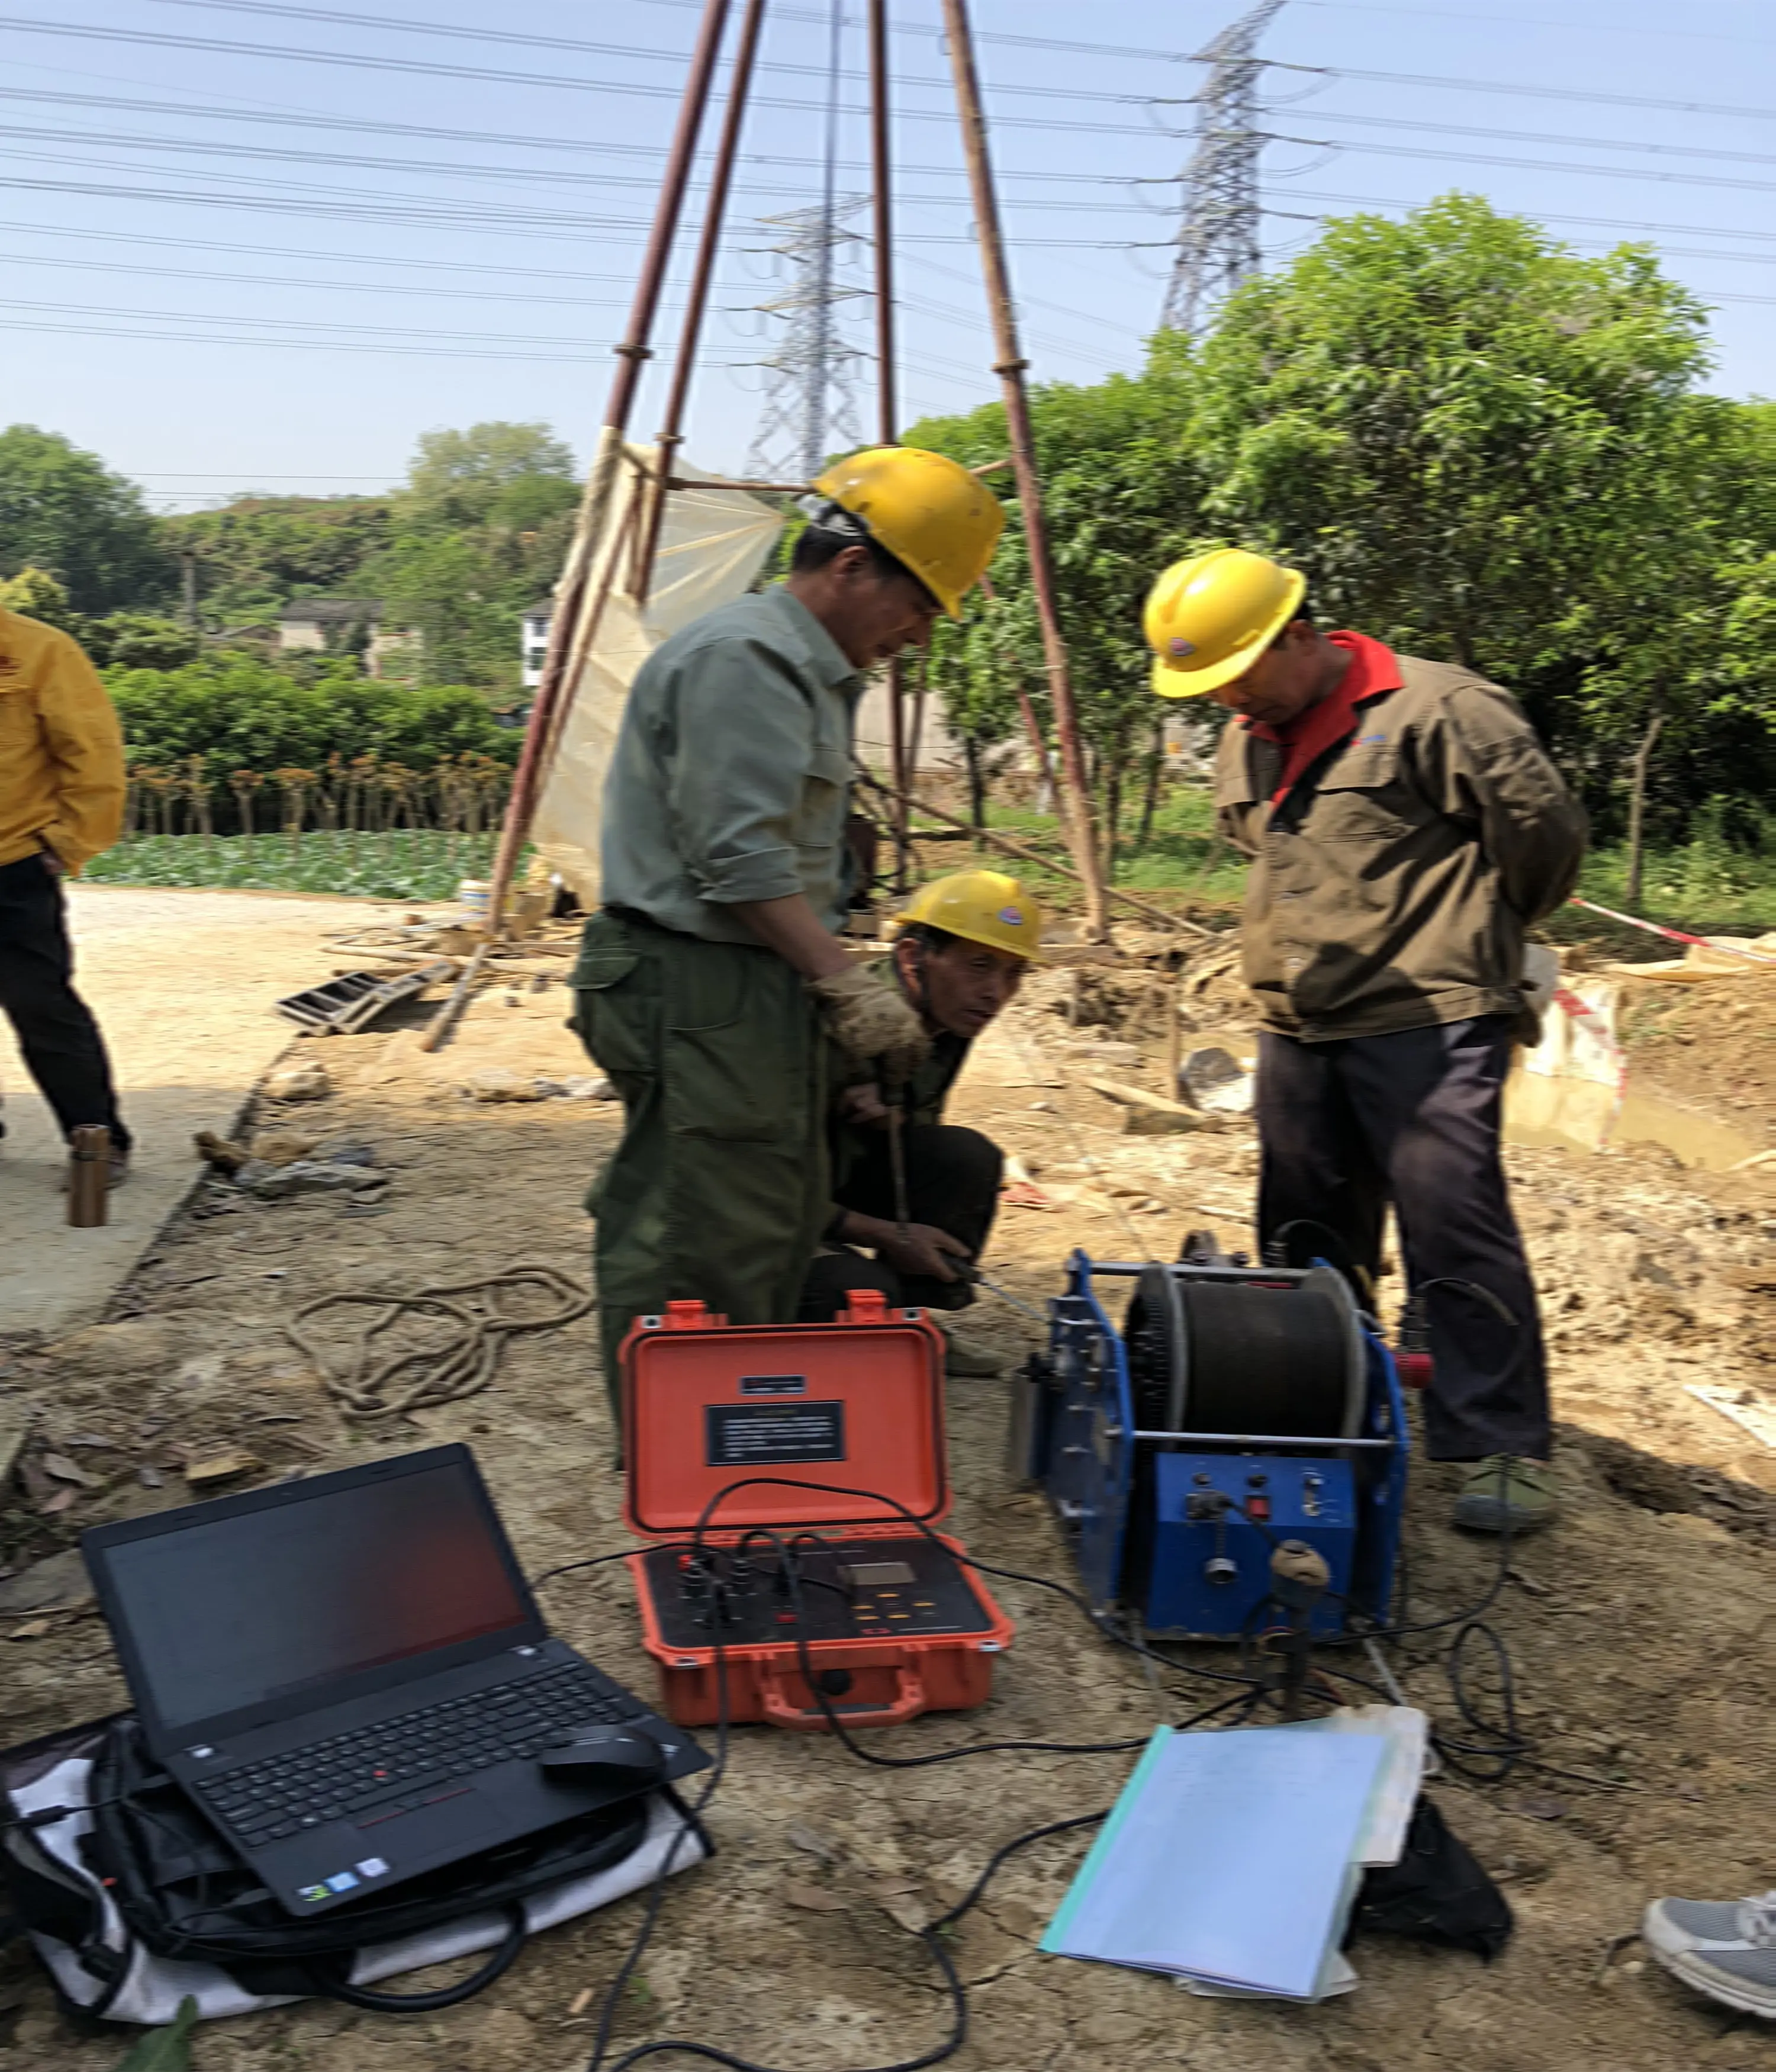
(712, 544)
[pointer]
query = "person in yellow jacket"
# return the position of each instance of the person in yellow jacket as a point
(62, 789)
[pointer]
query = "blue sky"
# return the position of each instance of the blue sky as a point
(234, 269)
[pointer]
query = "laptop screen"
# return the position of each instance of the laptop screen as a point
(236, 1611)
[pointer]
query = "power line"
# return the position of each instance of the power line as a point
(1563, 137)
(1524, 165)
(466, 216)
(523, 39)
(428, 68)
(294, 154)
(1218, 245)
(1616, 28)
(1545, 215)
(1530, 92)
(528, 141)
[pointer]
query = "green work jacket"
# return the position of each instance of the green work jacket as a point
(731, 775)
(927, 1091)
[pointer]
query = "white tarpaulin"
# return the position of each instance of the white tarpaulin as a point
(712, 546)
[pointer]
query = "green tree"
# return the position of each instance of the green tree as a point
(1121, 498)
(63, 511)
(495, 473)
(255, 555)
(480, 531)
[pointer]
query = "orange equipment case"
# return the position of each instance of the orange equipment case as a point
(896, 1625)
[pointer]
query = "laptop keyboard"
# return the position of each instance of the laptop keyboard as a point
(372, 1773)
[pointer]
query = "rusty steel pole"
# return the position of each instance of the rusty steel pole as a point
(888, 427)
(555, 692)
(672, 430)
(1009, 367)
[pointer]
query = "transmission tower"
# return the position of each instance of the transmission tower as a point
(810, 406)
(1218, 240)
(809, 409)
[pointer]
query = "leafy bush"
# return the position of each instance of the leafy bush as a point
(238, 712)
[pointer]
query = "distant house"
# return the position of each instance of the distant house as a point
(330, 625)
(533, 643)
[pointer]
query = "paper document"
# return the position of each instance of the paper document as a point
(1407, 1731)
(1231, 1858)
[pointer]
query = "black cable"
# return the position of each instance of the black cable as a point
(930, 1934)
(607, 2013)
(1100, 1621)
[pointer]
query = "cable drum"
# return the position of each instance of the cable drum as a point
(1233, 1354)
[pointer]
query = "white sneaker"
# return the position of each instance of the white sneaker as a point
(1724, 1948)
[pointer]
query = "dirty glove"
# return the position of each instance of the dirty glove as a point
(869, 1020)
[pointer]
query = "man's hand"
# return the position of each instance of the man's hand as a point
(52, 863)
(864, 1105)
(924, 1250)
(869, 1020)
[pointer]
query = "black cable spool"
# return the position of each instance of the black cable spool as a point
(1241, 1355)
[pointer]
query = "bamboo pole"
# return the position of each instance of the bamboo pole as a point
(442, 1022)
(1075, 797)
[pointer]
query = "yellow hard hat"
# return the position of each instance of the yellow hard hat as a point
(1209, 619)
(982, 906)
(926, 510)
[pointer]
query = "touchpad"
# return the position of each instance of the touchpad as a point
(447, 1827)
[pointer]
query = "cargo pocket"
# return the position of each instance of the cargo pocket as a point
(616, 1002)
(736, 1047)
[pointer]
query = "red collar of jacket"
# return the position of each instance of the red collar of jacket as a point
(1373, 670)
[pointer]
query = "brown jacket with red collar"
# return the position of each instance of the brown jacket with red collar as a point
(1391, 886)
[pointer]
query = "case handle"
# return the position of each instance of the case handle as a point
(909, 1703)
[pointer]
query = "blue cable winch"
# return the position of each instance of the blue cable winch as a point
(1236, 1408)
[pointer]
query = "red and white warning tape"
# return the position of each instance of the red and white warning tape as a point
(1672, 934)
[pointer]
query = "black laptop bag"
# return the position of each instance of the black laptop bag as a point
(116, 1897)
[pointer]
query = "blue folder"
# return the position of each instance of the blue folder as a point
(1229, 1857)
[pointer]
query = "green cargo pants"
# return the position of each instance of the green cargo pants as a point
(719, 1189)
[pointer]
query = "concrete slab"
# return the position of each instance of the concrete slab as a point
(184, 983)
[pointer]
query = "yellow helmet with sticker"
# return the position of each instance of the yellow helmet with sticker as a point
(981, 906)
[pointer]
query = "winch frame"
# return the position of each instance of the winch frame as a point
(1075, 1432)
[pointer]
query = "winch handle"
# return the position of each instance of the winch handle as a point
(908, 1704)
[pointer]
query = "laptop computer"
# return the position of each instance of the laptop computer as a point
(350, 1676)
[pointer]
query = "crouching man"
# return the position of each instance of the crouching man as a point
(960, 952)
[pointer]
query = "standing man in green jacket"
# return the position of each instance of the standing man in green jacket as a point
(709, 982)
(1406, 827)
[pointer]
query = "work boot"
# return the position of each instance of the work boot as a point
(1724, 1948)
(967, 1359)
(1504, 1493)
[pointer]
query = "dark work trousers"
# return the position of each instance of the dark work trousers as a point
(952, 1183)
(1411, 1119)
(63, 1049)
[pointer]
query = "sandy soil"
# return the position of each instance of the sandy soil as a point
(1640, 1629)
(184, 984)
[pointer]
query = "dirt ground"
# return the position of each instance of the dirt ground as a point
(1640, 1629)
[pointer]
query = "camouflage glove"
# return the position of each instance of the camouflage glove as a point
(871, 1023)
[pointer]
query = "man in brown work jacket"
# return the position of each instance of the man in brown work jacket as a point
(1405, 829)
